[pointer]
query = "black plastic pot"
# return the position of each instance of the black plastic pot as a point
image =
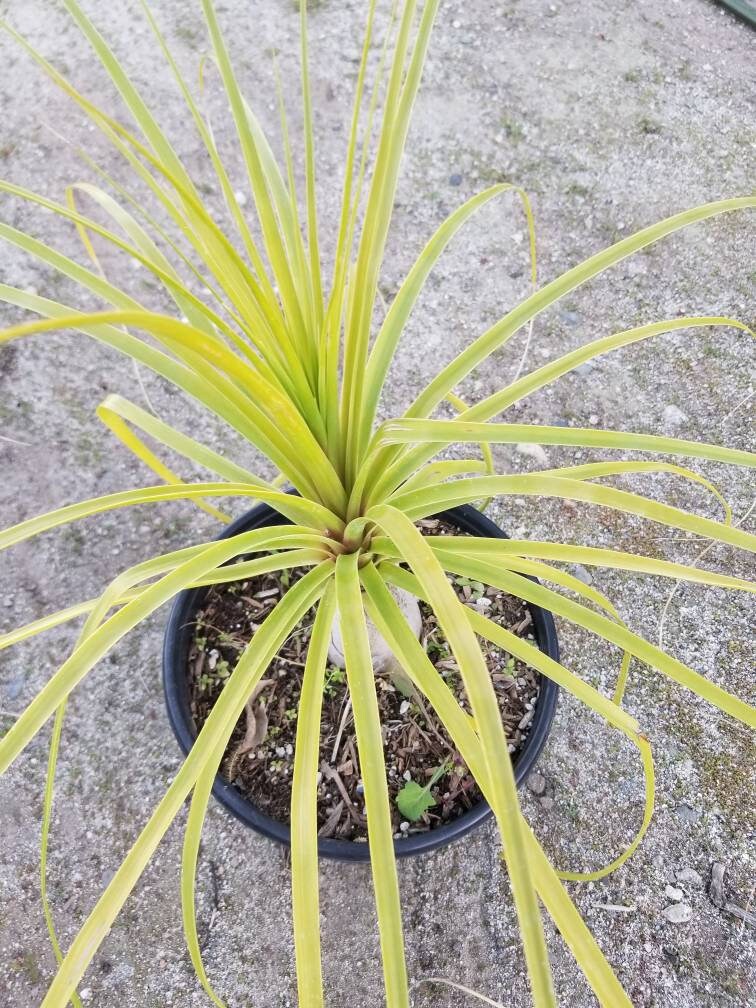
(175, 682)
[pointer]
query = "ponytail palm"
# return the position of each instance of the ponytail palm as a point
(288, 356)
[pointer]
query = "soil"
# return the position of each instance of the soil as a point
(259, 759)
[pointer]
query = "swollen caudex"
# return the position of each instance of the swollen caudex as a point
(381, 654)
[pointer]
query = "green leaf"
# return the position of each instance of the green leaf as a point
(538, 594)
(439, 498)
(304, 812)
(413, 801)
(367, 722)
(387, 616)
(498, 771)
(499, 333)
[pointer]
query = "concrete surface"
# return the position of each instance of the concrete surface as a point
(611, 115)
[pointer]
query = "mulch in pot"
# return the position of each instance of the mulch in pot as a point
(259, 759)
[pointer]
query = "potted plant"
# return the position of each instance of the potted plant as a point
(292, 362)
(203, 640)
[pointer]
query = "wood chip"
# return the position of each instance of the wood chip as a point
(256, 730)
(740, 913)
(199, 664)
(526, 719)
(335, 776)
(340, 732)
(523, 625)
(329, 826)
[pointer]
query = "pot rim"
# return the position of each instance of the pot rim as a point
(176, 689)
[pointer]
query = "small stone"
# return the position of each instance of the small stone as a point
(672, 955)
(15, 686)
(360, 788)
(673, 417)
(673, 894)
(407, 775)
(404, 826)
(570, 318)
(404, 706)
(280, 751)
(533, 451)
(678, 913)
(593, 419)
(85, 994)
(688, 876)
(455, 179)
(240, 198)
(688, 814)
(546, 802)
(537, 784)
(716, 887)
(581, 573)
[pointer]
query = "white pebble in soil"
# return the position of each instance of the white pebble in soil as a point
(673, 417)
(674, 894)
(533, 451)
(537, 784)
(678, 913)
(688, 876)
(581, 573)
